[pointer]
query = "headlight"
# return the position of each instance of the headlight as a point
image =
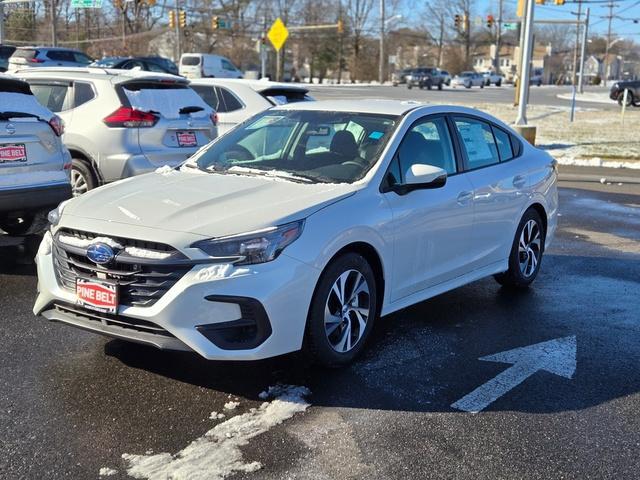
(255, 247)
(54, 215)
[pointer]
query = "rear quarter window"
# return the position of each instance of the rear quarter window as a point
(82, 93)
(25, 53)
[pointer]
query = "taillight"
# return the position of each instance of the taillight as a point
(57, 125)
(214, 119)
(128, 117)
(35, 60)
(67, 166)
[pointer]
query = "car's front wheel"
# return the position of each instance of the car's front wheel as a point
(526, 252)
(342, 311)
(630, 100)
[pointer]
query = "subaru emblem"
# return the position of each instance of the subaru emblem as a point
(100, 253)
(10, 128)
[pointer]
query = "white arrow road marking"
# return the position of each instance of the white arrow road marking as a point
(555, 356)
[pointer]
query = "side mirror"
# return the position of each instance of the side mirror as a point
(425, 176)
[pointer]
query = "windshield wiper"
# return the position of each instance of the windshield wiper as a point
(191, 109)
(270, 173)
(8, 115)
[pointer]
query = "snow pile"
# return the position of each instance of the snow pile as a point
(593, 97)
(217, 454)
(45, 244)
(107, 472)
(218, 271)
(166, 170)
(19, 102)
(167, 101)
(147, 253)
(596, 162)
(231, 405)
(85, 242)
(216, 416)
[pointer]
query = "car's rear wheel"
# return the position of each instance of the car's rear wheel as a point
(16, 225)
(526, 252)
(440, 86)
(342, 312)
(82, 178)
(498, 83)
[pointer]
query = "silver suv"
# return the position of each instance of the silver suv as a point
(35, 57)
(120, 123)
(34, 165)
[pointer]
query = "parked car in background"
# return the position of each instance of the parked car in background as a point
(237, 100)
(203, 65)
(633, 95)
(425, 77)
(491, 77)
(36, 57)
(121, 123)
(446, 77)
(34, 164)
(468, 80)
(148, 64)
(290, 233)
(400, 76)
(5, 52)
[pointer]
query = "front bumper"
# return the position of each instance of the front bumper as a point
(32, 199)
(188, 316)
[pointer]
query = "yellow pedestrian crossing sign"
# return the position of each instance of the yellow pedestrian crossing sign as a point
(278, 34)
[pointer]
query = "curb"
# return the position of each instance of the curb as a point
(576, 177)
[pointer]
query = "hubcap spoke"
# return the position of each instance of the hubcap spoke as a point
(529, 248)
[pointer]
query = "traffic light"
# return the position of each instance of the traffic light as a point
(340, 26)
(457, 22)
(539, 2)
(182, 16)
(559, 2)
(465, 23)
(491, 21)
(215, 23)
(151, 3)
(172, 19)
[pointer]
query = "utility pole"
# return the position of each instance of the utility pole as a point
(54, 26)
(178, 35)
(575, 50)
(441, 41)
(498, 39)
(381, 61)
(583, 52)
(606, 54)
(527, 49)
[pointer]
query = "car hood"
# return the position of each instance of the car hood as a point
(211, 205)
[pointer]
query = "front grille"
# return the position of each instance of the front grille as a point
(142, 280)
(113, 320)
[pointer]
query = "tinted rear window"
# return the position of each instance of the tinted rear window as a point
(10, 85)
(190, 61)
(25, 53)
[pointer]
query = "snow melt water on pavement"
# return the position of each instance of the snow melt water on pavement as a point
(217, 454)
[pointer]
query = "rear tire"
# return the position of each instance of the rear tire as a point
(526, 252)
(16, 226)
(342, 312)
(440, 86)
(498, 83)
(82, 177)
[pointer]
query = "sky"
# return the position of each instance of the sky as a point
(620, 27)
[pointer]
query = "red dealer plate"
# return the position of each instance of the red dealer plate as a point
(13, 153)
(95, 295)
(187, 139)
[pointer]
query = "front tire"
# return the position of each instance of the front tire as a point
(342, 312)
(630, 100)
(526, 252)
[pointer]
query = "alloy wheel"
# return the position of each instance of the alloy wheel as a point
(78, 183)
(529, 248)
(347, 311)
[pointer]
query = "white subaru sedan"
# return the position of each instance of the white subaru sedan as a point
(300, 228)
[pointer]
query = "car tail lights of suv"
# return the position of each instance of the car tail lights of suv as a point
(128, 117)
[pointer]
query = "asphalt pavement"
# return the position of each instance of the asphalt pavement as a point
(544, 95)
(72, 402)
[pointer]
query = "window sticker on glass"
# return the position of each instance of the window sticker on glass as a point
(265, 121)
(321, 131)
(376, 135)
(474, 141)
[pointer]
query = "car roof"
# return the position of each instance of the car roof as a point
(376, 106)
(113, 74)
(257, 85)
(35, 47)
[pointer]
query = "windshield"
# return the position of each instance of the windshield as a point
(305, 146)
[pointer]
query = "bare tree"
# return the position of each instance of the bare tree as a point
(358, 13)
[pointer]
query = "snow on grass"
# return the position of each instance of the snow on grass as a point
(231, 405)
(593, 97)
(217, 454)
(107, 472)
(216, 416)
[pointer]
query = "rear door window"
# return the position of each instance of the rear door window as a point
(53, 96)
(190, 61)
(478, 142)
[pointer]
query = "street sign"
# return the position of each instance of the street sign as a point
(278, 34)
(510, 26)
(86, 3)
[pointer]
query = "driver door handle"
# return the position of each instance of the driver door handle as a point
(464, 197)
(519, 181)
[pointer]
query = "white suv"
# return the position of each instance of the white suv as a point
(121, 123)
(34, 165)
(301, 226)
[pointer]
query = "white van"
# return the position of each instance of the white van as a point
(201, 65)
